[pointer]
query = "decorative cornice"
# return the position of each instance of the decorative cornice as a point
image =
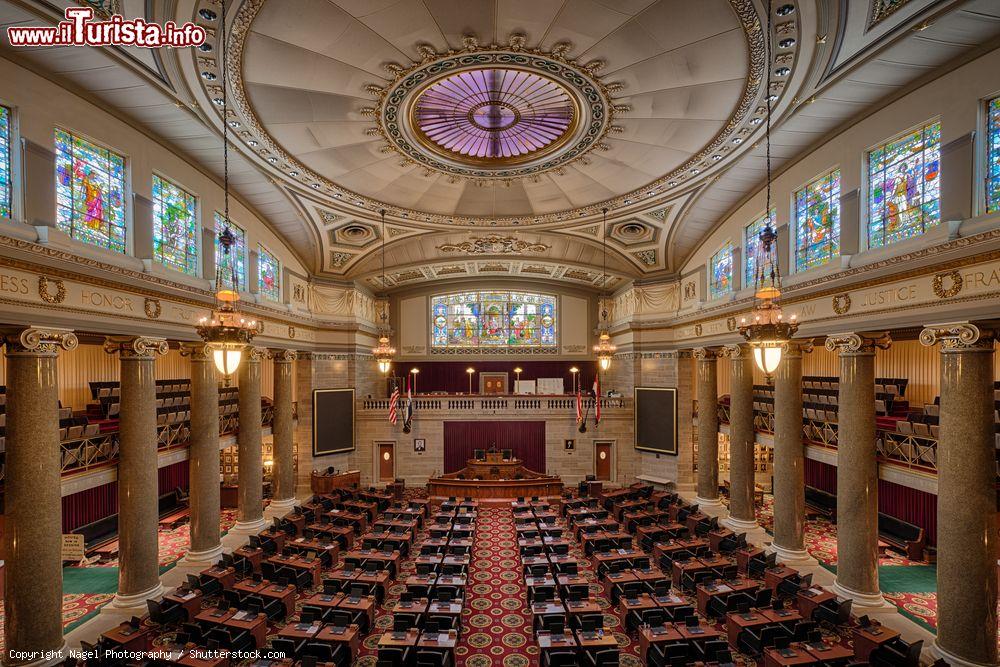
(494, 244)
(283, 356)
(796, 348)
(265, 148)
(254, 354)
(959, 337)
(737, 352)
(860, 343)
(136, 347)
(39, 341)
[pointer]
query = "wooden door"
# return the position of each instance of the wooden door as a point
(386, 462)
(602, 461)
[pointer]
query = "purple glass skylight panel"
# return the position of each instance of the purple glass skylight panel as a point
(494, 113)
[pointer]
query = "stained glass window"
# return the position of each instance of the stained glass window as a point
(238, 253)
(90, 192)
(720, 272)
(6, 187)
(493, 319)
(175, 227)
(269, 280)
(751, 235)
(817, 222)
(993, 155)
(904, 179)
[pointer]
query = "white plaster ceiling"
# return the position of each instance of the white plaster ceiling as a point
(684, 70)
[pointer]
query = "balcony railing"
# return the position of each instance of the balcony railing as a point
(499, 404)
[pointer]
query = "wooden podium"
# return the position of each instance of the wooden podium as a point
(495, 477)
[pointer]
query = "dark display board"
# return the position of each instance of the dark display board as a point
(656, 419)
(333, 421)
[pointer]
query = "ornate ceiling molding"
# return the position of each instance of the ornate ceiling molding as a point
(493, 245)
(745, 118)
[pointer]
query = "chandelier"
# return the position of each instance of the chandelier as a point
(766, 331)
(384, 352)
(605, 349)
(226, 332)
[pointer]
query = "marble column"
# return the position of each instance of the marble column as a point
(857, 470)
(283, 430)
(32, 502)
(708, 431)
(250, 510)
(966, 500)
(742, 475)
(203, 457)
(789, 458)
(138, 494)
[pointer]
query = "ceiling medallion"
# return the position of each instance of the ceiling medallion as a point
(741, 121)
(492, 112)
(493, 245)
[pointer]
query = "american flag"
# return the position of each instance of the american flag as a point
(393, 403)
(597, 399)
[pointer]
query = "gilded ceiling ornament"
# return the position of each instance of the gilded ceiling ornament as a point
(44, 284)
(841, 303)
(883, 9)
(152, 308)
(947, 284)
(494, 244)
(647, 257)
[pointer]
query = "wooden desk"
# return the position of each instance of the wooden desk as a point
(256, 625)
(705, 592)
(125, 636)
(267, 590)
(550, 642)
(603, 640)
(738, 622)
(744, 556)
(365, 605)
(324, 483)
(226, 576)
(868, 639)
(808, 599)
(313, 567)
(399, 640)
(350, 637)
(795, 656)
(775, 575)
(698, 633)
(650, 636)
(190, 601)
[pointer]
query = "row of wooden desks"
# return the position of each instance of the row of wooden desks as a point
(267, 590)
(254, 623)
(577, 640)
(670, 633)
(722, 589)
(806, 653)
(737, 622)
(694, 566)
(349, 637)
(344, 602)
(345, 576)
(416, 638)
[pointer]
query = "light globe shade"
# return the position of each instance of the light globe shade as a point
(227, 359)
(767, 358)
(384, 365)
(605, 362)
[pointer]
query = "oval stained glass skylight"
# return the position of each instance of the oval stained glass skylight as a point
(494, 114)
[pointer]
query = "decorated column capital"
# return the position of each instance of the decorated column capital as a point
(283, 356)
(959, 337)
(254, 354)
(796, 348)
(39, 341)
(858, 343)
(198, 351)
(136, 347)
(737, 351)
(704, 354)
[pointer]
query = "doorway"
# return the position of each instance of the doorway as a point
(602, 460)
(386, 462)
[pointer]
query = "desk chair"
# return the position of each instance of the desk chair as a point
(833, 612)
(667, 655)
(603, 658)
(753, 641)
(289, 647)
(559, 659)
(166, 613)
(393, 657)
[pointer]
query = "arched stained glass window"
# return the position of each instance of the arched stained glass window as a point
(493, 319)
(817, 222)
(269, 268)
(904, 186)
(238, 253)
(751, 235)
(6, 184)
(175, 227)
(720, 272)
(993, 155)
(90, 192)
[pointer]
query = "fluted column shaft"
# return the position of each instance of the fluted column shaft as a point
(708, 427)
(250, 509)
(857, 470)
(203, 457)
(741, 439)
(32, 503)
(283, 430)
(966, 501)
(789, 457)
(138, 495)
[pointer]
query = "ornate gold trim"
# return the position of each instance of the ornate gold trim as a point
(43, 290)
(955, 286)
(136, 347)
(958, 337)
(152, 308)
(855, 343)
(40, 341)
(842, 303)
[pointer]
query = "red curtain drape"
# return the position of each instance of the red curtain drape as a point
(822, 476)
(911, 505)
(89, 506)
(450, 376)
(525, 438)
(174, 475)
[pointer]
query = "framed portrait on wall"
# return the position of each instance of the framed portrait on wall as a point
(419, 445)
(570, 444)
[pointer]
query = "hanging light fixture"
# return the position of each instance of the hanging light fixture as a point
(227, 332)
(766, 331)
(605, 349)
(384, 352)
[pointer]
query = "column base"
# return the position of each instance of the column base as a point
(138, 600)
(954, 660)
(202, 558)
(280, 507)
(794, 557)
(871, 602)
(709, 502)
(753, 530)
(248, 527)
